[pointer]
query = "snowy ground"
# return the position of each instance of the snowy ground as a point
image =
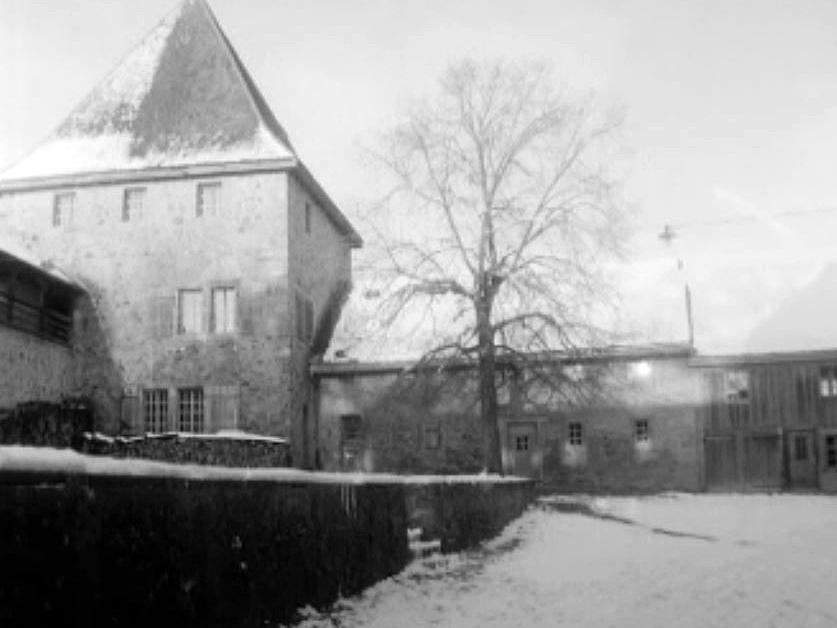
(675, 560)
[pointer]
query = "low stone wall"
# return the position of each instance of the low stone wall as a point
(94, 541)
(225, 449)
(462, 512)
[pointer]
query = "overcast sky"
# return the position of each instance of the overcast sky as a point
(732, 105)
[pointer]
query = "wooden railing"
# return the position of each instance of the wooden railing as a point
(35, 320)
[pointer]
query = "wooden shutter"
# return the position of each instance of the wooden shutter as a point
(131, 412)
(223, 405)
(161, 317)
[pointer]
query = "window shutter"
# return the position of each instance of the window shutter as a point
(223, 404)
(131, 415)
(162, 317)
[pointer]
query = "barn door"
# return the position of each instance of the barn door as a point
(800, 454)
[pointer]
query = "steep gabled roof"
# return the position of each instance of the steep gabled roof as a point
(179, 103)
(181, 97)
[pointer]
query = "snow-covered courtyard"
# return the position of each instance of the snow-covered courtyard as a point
(673, 560)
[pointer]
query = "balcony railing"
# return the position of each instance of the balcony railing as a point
(35, 320)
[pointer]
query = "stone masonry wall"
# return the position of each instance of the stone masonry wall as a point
(319, 261)
(33, 369)
(133, 270)
(431, 423)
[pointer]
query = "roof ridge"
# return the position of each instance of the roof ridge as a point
(257, 101)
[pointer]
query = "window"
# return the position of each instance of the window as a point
(828, 381)
(521, 442)
(209, 199)
(189, 311)
(641, 434)
(62, 209)
(132, 204)
(155, 403)
(304, 318)
(307, 217)
(575, 434)
(800, 447)
(737, 387)
(432, 437)
(191, 409)
(831, 451)
(223, 310)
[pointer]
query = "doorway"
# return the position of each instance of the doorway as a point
(524, 449)
(801, 457)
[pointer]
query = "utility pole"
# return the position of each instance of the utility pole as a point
(667, 236)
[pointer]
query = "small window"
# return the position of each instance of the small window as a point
(641, 434)
(737, 387)
(831, 451)
(304, 318)
(155, 404)
(132, 204)
(209, 199)
(63, 205)
(521, 442)
(223, 310)
(189, 311)
(307, 217)
(351, 440)
(828, 381)
(432, 437)
(191, 409)
(575, 433)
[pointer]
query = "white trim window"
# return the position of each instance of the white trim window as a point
(223, 310)
(63, 207)
(208, 201)
(133, 200)
(189, 311)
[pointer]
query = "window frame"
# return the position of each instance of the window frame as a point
(62, 216)
(155, 410)
(213, 316)
(181, 329)
(201, 209)
(827, 380)
(129, 212)
(193, 400)
(642, 431)
(575, 433)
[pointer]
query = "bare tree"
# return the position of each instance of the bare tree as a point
(506, 212)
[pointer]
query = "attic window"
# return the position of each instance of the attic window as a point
(208, 199)
(62, 209)
(132, 204)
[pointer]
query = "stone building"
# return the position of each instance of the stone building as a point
(622, 418)
(215, 263)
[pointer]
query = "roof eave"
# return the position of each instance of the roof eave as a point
(334, 213)
(159, 173)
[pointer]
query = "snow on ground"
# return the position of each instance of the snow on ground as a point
(672, 560)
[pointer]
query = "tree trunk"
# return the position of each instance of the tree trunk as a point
(488, 391)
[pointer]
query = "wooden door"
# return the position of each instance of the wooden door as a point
(523, 447)
(721, 462)
(801, 458)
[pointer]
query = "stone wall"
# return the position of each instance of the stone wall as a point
(429, 423)
(319, 260)
(100, 543)
(33, 369)
(133, 270)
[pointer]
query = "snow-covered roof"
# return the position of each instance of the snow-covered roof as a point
(14, 250)
(181, 99)
(182, 96)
